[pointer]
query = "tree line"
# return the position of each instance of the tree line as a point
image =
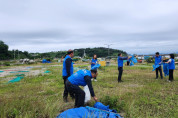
(6, 54)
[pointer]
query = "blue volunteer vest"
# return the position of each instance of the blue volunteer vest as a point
(172, 64)
(158, 60)
(93, 61)
(64, 71)
(120, 61)
(78, 77)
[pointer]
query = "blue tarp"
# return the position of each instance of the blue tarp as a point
(47, 71)
(155, 67)
(131, 63)
(95, 67)
(1, 71)
(17, 79)
(45, 61)
(133, 60)
(100, 111)
(166, 69)
(14, 72)
(29, 67)
(99, 105)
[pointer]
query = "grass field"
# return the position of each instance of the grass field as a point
(139, 96)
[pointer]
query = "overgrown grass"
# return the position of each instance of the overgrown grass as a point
(139, 96)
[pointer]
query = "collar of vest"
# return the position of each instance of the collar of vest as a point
(67, 56)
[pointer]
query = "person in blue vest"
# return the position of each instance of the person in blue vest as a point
(120, 65)
(158, 61)
(67, 71)
(94, 61)
(171, 63)
(81, 78)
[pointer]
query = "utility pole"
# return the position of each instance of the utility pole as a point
(108, 47)
(18, 54)
(14, 54)
(84, 54)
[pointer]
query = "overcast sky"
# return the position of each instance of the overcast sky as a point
(135, 26)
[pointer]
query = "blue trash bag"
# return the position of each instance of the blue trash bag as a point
(131, 63)
(166, 69)
(133, 59)
(95, 67)
(155, 67)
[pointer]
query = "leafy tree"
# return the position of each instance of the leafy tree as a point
(3, 50)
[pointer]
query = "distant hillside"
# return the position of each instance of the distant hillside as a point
(6, 54)
(100, 52)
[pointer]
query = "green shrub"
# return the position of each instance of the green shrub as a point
(6, 64)
(113, 103)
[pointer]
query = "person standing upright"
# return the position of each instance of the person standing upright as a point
(120, 65)
(171, 63)
(67, 72)
(94, 61)
(158, 61)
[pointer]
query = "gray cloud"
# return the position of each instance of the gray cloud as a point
(134, 26)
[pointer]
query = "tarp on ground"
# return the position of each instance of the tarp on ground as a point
(101, 111)
(45, 61)
(23, 71)
(28, 67)
(47, 71)
(166, 69)
(14, 72)
(17, 79)
(1, 71)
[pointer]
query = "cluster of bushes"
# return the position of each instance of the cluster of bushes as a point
(150, 60)
(4, 63)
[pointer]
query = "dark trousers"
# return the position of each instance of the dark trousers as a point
(79, 94)
(65, 94)
(160, 70)
(171, 78)
(120, 69)
(128, 63)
